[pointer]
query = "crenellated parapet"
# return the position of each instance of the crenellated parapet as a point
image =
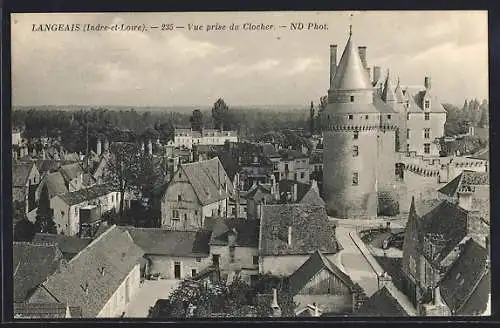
(344, 128)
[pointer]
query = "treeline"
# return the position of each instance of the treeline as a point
(473, 113)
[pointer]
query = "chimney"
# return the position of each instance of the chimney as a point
(106, 145)
(289, 236)
(99, 147)
(362, 55)
(376, 74)
(68, 312)
(150, 147)
(294, 193)
(274, 304)
(465, 200)
(427, 82)
(437, 297)
(43, 153)
(333, 63)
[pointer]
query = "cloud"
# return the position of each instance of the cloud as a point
(307, 64)
(241, 70)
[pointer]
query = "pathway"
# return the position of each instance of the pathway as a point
(147, 295)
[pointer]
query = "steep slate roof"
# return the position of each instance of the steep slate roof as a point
(170, 242)
(312, 196)
(20, 173)
(466, 286)
(69, 245)
(82, 195)
(311, 230)
(229, 163)
(314, 264)
(388, 94)
(264, 188)
(55, 184)
(247, 232)
(350, 72)
(32, 264)
(45, 311)
(100, 269)
(381, 106)
(398, 92)
(449, 221)
(382, 303)
(465, 181)
(207, 178)
(71, 171)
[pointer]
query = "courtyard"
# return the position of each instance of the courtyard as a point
(147, 295)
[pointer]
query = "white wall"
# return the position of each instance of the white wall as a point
(164, 265)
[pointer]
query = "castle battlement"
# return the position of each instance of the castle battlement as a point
(383, 127)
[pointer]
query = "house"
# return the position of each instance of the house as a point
(46, 311)
(32, 264)
(56, 185)
(312, 196)
(321, 282)
(470, 190)
(68, 207)
(466, 287)
(291, 191)
(172, 254)
(73, 176)
(101, 279)
(68, 245)
(259, 194)
(290, 233)
(383, 303)
(187, 138)
(234, 246)
(25, 178)
(293, 165)
(196, 191)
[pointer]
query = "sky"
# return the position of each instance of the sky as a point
(277, 67)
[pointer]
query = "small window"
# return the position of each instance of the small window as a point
(427, 148)
(407, 147)
(389, 116)
(407, 133)
(426, 116)
(76, 211)
(193, 272)
(179, 197)
(366, 117)
(185, 216)
(352, 98)
(355, 179)
(356, 135)
(295, 176)
(198, 259)
(427, 104)
(355, 151)
(408, 116)
(195, 212)
(175, 214)
(255, 260)
(350, 117)
(427, 133)
(302, 175)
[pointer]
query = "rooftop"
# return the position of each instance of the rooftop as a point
(247, 232)
(86, 194)
(69, 245)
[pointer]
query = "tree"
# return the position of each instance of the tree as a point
(220, 114)
(166, 131)
(196, 120)
(24, 230)
(484, 119)
(44, 217)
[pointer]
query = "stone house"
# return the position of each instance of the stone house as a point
(259, 194)
(25, 179)
(292, 165)
(320, 282)
(68, 207)
(290, 233)
(196, 191)
(172, 254)
(102, 279)
(383, 303)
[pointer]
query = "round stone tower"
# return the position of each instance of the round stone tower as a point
(357, 132)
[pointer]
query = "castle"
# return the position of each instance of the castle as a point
(379, 140)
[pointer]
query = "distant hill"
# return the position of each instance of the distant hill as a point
(179, 109)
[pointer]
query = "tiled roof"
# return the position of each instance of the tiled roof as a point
(32, 264)
(55, 184)
(20, 173)
(229, 163)
(69, 245)
(312, 196)
(382, 303)
(311, 230)
(94, 275)
(266, 189)
(466, 286)
(465, 181)
(388, 94)
(286, 186)
(448, 221)
(170, 242)
(399, 93)
(207, 178)
(381, 106)
(314, 264)
(247, 232)
(82, 195)
(71, 171)
(45, 311)
(484, 155)
(50, 165)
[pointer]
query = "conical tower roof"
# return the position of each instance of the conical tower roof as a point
(388, 94)
(351, 74)
(399, 93)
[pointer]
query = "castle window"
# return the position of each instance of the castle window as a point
(389, 116)
(366, 117)
(427, 148)
(426, 116)
(355, 151)
(408, 116)
(179, 197)
(355, 178)
(356, 135)
(407, 133)
(302, 175)
(407, 147)
(352, 98)
(427, 133)
(175, 214)
(351, 117)
(427, 104)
